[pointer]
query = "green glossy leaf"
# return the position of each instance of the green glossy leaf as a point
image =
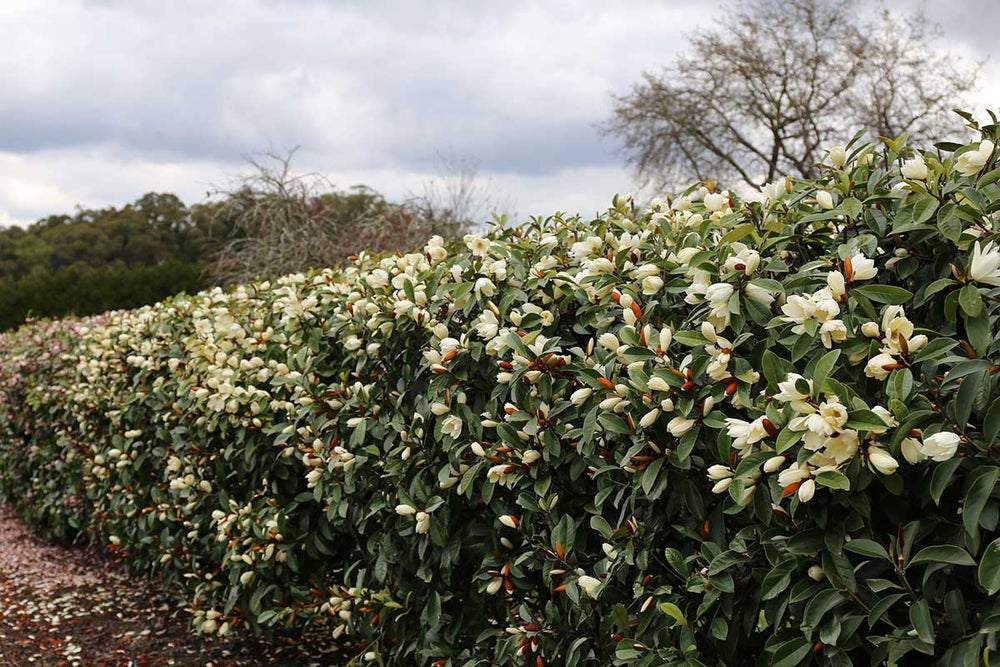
(833, 479)
(867, 548)
(673, 611)
(778, 579)
(920, 618)
(823, 369)
(888, 294)
(970, 300)
(989, 568)
(981, 485)
(943, 553)
(941, 477)
(924, 208)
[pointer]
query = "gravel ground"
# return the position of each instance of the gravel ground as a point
(69, 606)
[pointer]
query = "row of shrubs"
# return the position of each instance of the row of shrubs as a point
(713, 431)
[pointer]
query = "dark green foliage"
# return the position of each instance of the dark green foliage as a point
(100, 259)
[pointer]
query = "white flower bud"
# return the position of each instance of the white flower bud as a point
(870, 329)
(773, 464)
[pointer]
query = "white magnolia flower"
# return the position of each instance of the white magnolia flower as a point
(836, 284)
(841, 447)
(885, 415)
(880, 366)
(645, 271)
(609, 341)
(484, 287)
(772, 191)
(709, 332)
(580, 396)
(477, 244)
(530, 456)
(838, 156)
(718, 471)
(435, 248)
(488, 326)
(695, 292)
(798, 308)
(862, 268)
(678, 426)
(497, 474)
(789, 393)
(832, 331)
(970, 162)
(882, 460)
(651, 285)
(590, 586)
(745, 434)
(914, 168)
(722, 485)
(718, 295)
(715, 201)
(773, 464)
(911, 450)
(656, 383)
(793, 475)
(941, 446)
(985, 265)
(452, 426)
(649, 418)
(829, 418)
(824, 199)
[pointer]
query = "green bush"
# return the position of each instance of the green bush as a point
(85, 291)
(717, 431)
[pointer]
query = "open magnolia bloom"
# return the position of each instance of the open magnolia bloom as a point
(706, 431)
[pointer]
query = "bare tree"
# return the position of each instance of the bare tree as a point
(775, 83)
(459, 191)
(282, 222)
(906, 87)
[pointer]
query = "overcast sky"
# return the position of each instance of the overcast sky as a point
(103, 100)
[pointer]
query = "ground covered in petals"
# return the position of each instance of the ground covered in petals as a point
(63, 605)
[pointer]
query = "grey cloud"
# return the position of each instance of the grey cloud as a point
(373, 89)
(383, 84)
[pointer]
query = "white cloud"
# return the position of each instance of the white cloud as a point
(57, 180)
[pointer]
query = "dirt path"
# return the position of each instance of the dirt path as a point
(70, 606)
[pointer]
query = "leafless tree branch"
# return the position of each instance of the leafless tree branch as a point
(776, 82)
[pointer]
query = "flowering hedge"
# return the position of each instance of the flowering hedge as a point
(714, 431)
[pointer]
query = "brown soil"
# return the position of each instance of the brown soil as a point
(64, 605)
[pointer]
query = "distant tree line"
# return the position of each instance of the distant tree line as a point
(267, 223)
(99, 259)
